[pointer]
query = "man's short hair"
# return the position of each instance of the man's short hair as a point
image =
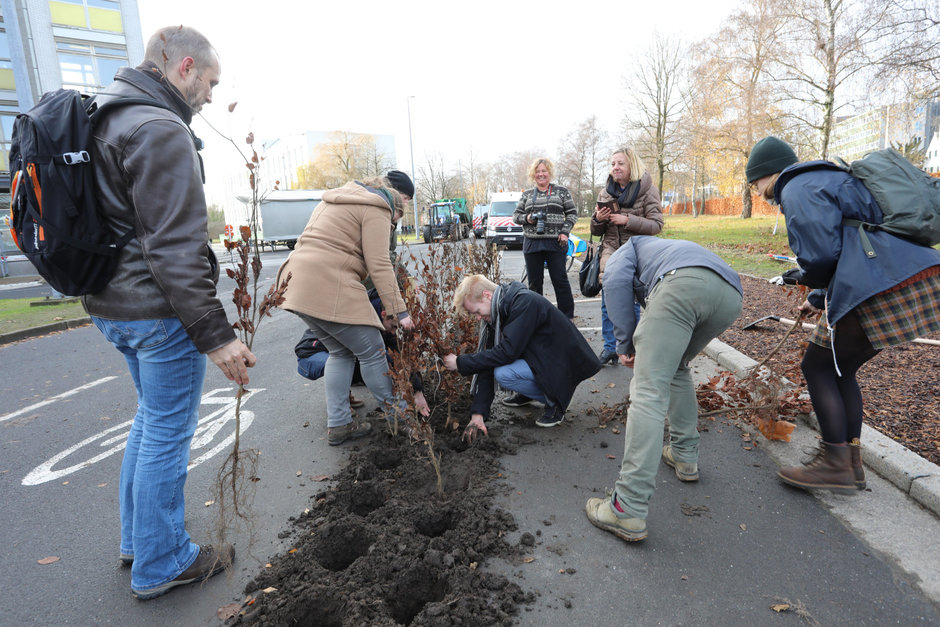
(471, 287)
(171, 44)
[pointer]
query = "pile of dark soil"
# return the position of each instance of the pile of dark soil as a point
(381, 547)
(900, 386)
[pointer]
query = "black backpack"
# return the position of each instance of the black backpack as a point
(53, 211)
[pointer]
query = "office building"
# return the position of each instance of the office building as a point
(48, 44)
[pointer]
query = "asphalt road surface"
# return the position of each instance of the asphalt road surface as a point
(64, 411)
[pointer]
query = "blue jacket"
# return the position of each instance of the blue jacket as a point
(638, 265)
(814, 197)
(533, 329)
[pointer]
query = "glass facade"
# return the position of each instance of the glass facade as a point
(102, 15)
(89, 67)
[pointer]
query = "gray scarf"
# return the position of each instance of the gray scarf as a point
(486, 328)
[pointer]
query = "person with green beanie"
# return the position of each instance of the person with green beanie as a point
(868, 302)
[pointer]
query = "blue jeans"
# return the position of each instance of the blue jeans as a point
(168, 373)
(518, 377)
(607, 327)
(312, 367)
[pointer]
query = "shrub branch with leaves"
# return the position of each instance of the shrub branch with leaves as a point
(236, 478)
(438, 330)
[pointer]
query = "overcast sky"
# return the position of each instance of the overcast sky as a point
(489, 76)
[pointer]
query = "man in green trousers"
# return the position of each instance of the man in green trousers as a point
(690, 296)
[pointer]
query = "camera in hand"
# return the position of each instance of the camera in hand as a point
(539, 217)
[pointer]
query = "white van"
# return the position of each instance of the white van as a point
(500, 229)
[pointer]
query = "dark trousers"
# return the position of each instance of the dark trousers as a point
(837, 400)
(535, 263)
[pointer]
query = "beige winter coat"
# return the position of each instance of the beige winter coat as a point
(646, 218)
(345, 241)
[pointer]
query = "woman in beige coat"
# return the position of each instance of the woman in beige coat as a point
(345, 241)
(628, 205)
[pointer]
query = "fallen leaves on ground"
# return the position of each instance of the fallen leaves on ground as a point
(899, 386)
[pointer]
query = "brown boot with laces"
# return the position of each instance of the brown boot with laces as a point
(830, 469)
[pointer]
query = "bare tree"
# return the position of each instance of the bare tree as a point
(434, 182)
(833, 42)
(658, 102)
(346, 157)
(477, 180)
(510, 172)
(584, 152)
(375, 161)
(730, 101)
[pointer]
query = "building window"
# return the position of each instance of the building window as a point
(89, 67)
(103, 15)
(6, 64)
(7, 117)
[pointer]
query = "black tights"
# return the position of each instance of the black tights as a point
(838, 400)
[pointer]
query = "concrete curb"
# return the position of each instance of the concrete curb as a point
(62, 325)
(908, 471)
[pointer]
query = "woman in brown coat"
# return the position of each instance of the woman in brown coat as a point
(345, 241)
(628, 205)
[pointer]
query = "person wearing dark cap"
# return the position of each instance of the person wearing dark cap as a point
(869, 303)
(402, 183)
(343, 243)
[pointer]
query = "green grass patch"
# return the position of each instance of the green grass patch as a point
(743, 243)
(16, 314)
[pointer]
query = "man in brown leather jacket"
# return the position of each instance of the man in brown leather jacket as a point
(160, 310)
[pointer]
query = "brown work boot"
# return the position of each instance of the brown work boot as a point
(349, 431)
(354, 402)
(830, 469)
(685, 471)
(855, 451)
(209, 561)
(602, 516)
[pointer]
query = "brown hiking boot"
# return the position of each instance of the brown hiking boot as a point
(855, 451)
(349, 431)
(208, 562)
(602, 516)
(830, 469)
(684, 471)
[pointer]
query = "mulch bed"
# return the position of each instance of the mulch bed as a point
(900, 386)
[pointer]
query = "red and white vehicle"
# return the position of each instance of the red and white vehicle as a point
(500, 229)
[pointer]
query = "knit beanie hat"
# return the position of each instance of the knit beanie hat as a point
(401, 182)
(769, 156)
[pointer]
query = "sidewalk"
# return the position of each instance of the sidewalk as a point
(727, 548)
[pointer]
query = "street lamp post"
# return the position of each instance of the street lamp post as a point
(414, 178)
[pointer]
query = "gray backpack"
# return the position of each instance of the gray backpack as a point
(909, 198)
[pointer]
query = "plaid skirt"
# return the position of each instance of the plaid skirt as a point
(908, 310)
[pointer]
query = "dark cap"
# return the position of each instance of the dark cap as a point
(401, 182)
(769, 156)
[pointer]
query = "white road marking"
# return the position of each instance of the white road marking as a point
(53, 399)
(18, 286)
(114, 439)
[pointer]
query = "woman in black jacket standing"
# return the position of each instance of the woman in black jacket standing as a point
(547, 215)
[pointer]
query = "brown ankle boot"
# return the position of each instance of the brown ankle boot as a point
(855, 454)
(831, 469)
